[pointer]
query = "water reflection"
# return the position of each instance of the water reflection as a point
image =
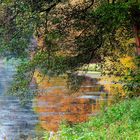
(51, 106)
(57, 104)
(16, 122)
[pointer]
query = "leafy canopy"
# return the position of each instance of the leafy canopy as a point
(58, 37)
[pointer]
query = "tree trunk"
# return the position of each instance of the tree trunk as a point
(137, 36)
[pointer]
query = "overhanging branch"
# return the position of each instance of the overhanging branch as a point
(49, 8)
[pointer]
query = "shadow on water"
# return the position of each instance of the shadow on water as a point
(16, 122)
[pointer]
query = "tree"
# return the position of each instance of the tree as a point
(69, 35)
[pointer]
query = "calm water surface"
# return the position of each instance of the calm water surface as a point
(16, 122)
(47, 110)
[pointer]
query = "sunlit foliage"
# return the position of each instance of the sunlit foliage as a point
(68, 34)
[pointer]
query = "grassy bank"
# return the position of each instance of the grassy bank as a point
(119, 122)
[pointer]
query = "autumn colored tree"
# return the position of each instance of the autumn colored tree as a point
(69, 34)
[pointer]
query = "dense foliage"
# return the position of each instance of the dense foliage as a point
(58, 37)
(132, 80)
(121, 121)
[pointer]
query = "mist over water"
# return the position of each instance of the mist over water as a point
(16, 122)
(50, 106)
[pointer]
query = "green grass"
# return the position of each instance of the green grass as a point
(91, 67)
(119, 122)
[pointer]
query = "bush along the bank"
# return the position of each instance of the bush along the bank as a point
(132, 80)
(119, 122)
(122, 76)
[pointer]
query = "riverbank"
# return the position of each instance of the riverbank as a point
(121, 121)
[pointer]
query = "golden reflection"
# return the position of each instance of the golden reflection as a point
(56, 105)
